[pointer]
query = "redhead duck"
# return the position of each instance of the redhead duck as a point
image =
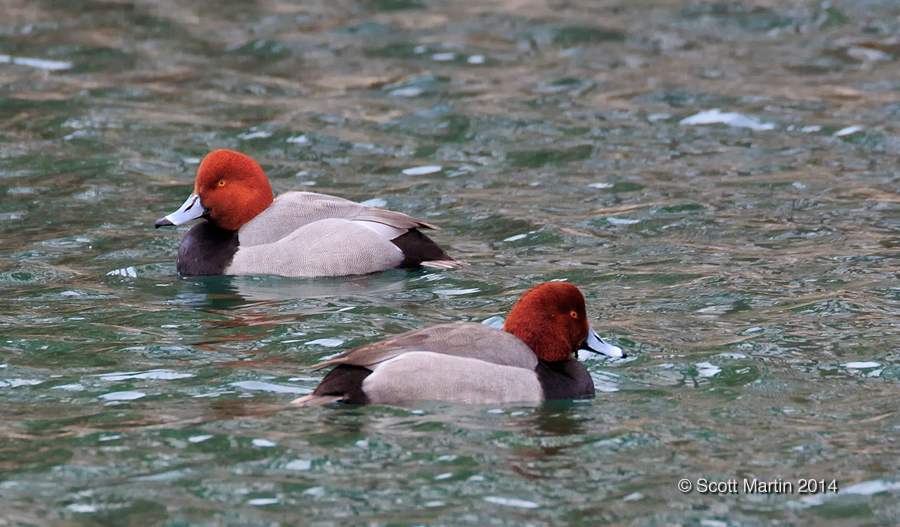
(298, 234)
(532, 358)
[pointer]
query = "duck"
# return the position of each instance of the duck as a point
(533, 358)
(247, 231)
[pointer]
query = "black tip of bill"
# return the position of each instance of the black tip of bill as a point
(163, 222)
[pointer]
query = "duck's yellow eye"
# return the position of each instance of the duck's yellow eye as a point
(221, 182)
(574, 315)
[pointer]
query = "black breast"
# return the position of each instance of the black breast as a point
(206, 250)
(565, 379)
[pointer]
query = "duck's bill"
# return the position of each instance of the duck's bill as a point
(191, 210)
(594, 343)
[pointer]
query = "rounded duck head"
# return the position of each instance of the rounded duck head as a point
(233, 187)
(551, 319)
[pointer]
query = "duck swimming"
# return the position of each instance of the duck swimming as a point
(533, 358)
(301, 234)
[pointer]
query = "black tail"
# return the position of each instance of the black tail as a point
(418, 248)
(345, 380)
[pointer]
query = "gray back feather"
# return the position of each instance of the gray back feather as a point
(292, 210)
(461, 339)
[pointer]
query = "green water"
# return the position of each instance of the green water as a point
(751, 275)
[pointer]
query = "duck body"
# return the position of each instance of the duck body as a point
(302, 234)
(466, 362)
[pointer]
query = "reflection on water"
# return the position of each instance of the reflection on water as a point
(559, 418)
(718, 178)
(234, 292)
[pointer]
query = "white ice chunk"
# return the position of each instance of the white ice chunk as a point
(511, 502)
(269, 387)
(868, 488)
(127, 271)
(328, 343)
(156, 375)
(127, 395)
(456, 292)
(258, 502)
(299, 464)
(50, 65)
(706, 369)
(715, 116)
(70, 387)
(421, 171)
(255, 135)
(622, 221)
(15, 383)
(850, 130)
(411, 91)
(861, 365)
